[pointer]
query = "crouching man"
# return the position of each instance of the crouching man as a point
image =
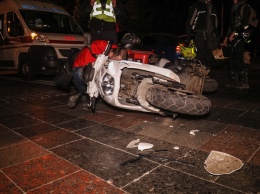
(86, 57)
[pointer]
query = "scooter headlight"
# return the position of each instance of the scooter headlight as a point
(108, 84)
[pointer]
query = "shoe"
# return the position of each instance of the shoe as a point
(84, 100)
(232, 85)
(243, 86)
(243, 77)
(234, 82)
(73, 100)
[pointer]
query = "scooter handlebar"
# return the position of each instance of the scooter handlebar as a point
(109, 45)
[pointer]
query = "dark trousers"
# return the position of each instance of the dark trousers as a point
(102, 30)
(109, 35)
(236, 55)
(204, 54)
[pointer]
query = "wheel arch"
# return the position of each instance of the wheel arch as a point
(22, 58)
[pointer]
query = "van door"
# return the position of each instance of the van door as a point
(14, 40)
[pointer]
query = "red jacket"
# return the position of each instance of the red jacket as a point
(86, 56)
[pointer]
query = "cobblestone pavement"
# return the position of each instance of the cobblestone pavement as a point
(47, 148)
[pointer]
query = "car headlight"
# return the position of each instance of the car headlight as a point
(39, 38)
(108, 84)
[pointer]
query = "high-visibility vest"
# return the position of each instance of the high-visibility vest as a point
(107, 14)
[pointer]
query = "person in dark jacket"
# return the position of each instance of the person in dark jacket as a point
(203, 22)
(236, 44)
(86, 57)
(102, 23)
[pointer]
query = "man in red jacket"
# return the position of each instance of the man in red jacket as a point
(86, 57)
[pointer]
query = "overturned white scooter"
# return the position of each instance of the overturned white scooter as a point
(147, 88)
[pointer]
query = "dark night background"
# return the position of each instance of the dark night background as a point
(144, 16)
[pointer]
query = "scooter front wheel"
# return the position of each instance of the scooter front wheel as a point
(178, 102)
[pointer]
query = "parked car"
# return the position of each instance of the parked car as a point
(164, 45)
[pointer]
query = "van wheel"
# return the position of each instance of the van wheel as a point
(27, 71)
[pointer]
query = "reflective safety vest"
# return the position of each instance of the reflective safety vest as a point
(107, 14)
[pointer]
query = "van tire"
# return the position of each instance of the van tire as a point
(27, 71)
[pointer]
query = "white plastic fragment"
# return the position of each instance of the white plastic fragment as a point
(192, 132)
(176, 147)
(219, 163)
(110, 181)
(133, 144)
(143, 146)
(140, 145)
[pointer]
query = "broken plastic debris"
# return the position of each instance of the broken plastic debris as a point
(192, 132)
(176, 147)
(143, 146)
(219, 163)
(133, 144)
(110, 181)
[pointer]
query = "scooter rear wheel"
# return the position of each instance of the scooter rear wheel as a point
(177, 102)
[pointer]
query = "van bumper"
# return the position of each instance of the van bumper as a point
(44, 59)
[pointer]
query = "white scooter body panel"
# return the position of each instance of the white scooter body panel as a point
(114, 69)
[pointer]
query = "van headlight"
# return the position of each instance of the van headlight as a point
(39, 37)
(108, 84)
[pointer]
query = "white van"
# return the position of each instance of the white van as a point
(36, 36)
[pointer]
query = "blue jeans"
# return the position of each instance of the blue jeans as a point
(78, 79)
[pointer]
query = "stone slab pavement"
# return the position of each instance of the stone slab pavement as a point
(47, 148)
